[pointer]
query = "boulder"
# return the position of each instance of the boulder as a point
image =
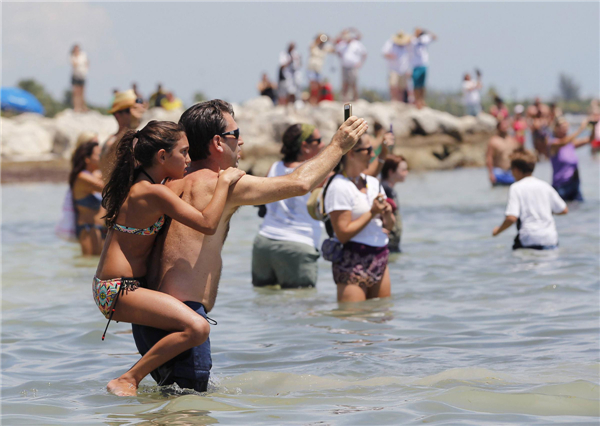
(25, 140)
(70, 124)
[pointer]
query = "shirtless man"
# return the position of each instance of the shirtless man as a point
(187, 264)
(497, 158)
(538, 115)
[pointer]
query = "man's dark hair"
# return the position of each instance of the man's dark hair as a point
(201, 123)
(523, 160)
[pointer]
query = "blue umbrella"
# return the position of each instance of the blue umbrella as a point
(19, 100)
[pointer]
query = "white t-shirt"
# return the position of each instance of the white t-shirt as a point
(420, 54)
(288, 220)
(471, 95)
(533, 201)
(343, 195)
(353, 53)
(80, 65)
(401, 62)
(317, 56)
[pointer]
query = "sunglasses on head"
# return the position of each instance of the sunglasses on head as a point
(235, 133)
(369, 150)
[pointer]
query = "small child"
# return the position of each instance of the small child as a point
(531, 203)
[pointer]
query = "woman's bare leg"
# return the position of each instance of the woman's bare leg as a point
(159, 310)
(350, 293)
(383, 289)
(91, 242)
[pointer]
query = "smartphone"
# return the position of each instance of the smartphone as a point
(347, 111)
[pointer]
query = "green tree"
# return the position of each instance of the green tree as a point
(51, 105)
(199, 97)
(568, 87)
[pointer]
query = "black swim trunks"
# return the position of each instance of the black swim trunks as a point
(190, 369)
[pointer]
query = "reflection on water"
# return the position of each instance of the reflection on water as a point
(473, 333)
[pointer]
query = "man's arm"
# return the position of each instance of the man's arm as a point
(508, 222)
(252, 190)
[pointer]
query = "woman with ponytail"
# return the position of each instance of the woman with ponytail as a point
(136, 206)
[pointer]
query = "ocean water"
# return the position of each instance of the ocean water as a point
(473, 334)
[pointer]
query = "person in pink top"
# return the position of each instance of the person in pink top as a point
(519, 124)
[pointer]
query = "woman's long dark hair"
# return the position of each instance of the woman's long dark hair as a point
(82, 152)
(130, 159)
(291, 148)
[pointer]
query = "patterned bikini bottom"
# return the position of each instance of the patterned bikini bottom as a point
(106, 293)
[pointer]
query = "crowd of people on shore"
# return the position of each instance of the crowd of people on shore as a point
(407, 57)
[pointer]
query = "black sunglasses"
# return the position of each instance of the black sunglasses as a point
(235, 133)
(369, 150)
(313, 140)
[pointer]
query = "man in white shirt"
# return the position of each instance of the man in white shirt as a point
(397, 51)
(531, 203)
(471, 94)
(352, 54)
(420, 61)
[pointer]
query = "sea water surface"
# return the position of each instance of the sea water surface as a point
(474, 333)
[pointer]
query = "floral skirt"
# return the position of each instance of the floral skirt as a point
(361, 265)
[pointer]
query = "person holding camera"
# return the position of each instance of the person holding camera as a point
(358, 213)
(472, 94)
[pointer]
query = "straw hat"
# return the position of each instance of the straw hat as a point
(123, 100)
(401, 39)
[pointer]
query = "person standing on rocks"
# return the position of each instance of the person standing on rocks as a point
(472, 94)
(289, 75)
(318, 52)
(497, 158)
(352, 54)
(127, 110)
(187, 264)
(80, 64)
(397, 52)
(420, 62)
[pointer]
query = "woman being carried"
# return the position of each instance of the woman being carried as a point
(136, 208)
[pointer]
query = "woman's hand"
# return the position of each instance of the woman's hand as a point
(378, 206)
(231, 175)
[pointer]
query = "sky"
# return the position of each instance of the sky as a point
(222, 49)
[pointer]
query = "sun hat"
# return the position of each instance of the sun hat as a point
(400, 38)
(123, 100)
(519, 109)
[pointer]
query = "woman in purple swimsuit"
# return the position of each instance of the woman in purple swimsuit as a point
(565, 174)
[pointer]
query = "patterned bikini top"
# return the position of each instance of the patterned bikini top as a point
(151, 230)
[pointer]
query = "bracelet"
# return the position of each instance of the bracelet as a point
(380, 160)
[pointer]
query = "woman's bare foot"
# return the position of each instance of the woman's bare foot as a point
(122, 387)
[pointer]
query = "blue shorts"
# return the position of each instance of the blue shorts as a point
(418, 76)
(503, 177)
(190, 369)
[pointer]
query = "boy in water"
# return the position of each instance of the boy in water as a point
(531, 203)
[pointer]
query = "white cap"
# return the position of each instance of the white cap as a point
(519, 109)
